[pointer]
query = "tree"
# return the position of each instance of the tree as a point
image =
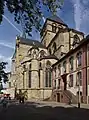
(3, 74)
(29, 13)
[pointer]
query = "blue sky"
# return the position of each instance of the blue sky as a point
(75, 13)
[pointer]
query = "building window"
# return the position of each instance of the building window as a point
(29, 79)
(24, 67)
(48, 75)
(54, 83)
(29, 66)
(58, 83)
(48, 64)
(71, 62)
(48, 78)
(79, 59)
(71, 81)
(76, 41)
(54, 47)
(49, 51)
(55, 72)
(79, 79)
(64, 66)
(54, 28)
(46, 81)
(39, 77)
(59, 69)
(30, 75)
(40, 66)
(42, 53)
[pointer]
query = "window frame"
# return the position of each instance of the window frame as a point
(79, 80)
(71, 62)
(64, 67)
(54, 47)
(54, 28)
(79, 59)
(48, 75)
(71, 80)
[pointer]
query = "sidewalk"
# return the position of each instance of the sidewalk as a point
(56, 104)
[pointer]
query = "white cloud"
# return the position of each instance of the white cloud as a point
(8, 60)
(9, 45)
(81, 14)
(44, 19)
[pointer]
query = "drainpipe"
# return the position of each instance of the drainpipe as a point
(43, 77)
(79, 100)
(86, 76)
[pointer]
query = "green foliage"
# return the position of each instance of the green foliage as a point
(3, 74)
(28, 13)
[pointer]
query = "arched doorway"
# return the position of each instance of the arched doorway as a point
(64, 80)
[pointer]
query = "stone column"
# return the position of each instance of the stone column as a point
(41, 79)
(34, 74)
(25, 80)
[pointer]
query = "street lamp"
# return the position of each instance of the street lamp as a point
(79, 100)
(79, 96)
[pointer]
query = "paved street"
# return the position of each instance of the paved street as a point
(43, 111)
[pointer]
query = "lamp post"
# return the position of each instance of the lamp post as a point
(79, 100)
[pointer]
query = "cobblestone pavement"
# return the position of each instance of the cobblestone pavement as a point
(43, 111)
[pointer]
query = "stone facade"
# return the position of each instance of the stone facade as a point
(33, 61)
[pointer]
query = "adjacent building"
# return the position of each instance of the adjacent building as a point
(71, 74)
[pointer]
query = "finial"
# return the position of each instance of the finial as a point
(33, 43)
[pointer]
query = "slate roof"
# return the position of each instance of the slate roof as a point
(50, 57)
(56, 19)
(31, 42)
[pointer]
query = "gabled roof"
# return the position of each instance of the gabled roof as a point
(56, 19)
(31, 42)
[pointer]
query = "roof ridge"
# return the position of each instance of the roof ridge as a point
(56, 18)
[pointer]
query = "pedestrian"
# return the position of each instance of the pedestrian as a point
(22, 99)
(4, 102)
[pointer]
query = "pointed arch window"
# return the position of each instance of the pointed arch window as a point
(54, 47)
(64, 66)
(54, 28)
(71, 59)
(48, 80)
(59, 68)
(29, 75)
(42, 53)
(39, 72)
(30, 67)
(49, 51)
(76, 40)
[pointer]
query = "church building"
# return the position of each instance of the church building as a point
(36, 65)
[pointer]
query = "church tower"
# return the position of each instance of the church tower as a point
(50, 29)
